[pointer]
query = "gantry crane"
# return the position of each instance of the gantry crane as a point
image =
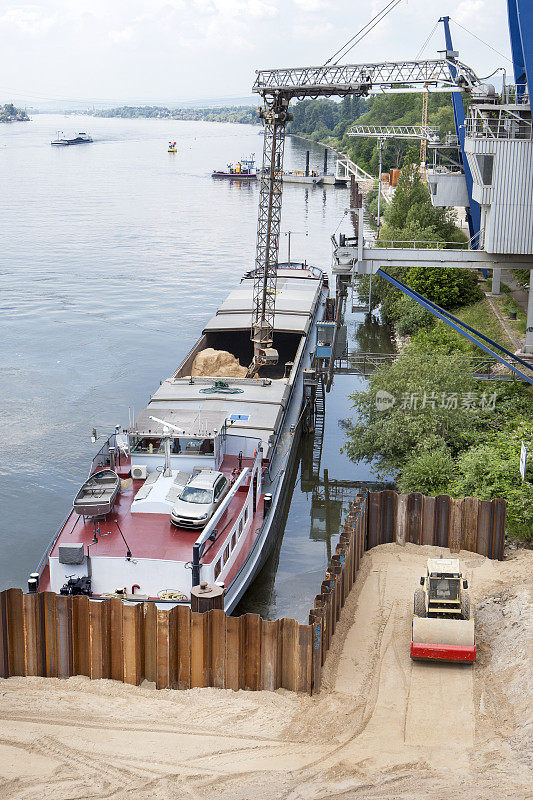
(277, 88)
(382, 132)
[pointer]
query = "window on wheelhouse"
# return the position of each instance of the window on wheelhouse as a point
(147, 444)
(186, 446)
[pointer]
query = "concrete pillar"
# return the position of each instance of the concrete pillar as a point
(528, 346)
(496, 277)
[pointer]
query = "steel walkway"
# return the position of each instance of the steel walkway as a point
(365, 364)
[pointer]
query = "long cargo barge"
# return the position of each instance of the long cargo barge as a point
(210, 439)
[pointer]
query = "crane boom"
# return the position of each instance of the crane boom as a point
(277, 88)
(360, 79)
(427, 132)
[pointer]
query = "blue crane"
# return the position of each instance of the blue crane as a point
(520, 15)
(473, 212)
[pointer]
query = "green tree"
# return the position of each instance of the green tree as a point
(411, 316)
(447, 287)
(429, 472)
(411, 217)
(411, 212)
(491, 470)
(422, 416)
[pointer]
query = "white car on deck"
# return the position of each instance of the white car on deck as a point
(199, 499)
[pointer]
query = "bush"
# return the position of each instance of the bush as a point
(448, 288)
(433, 447)
(491, 470)
(372, 207)
(440, 339)
(429, 472)
(411, 215)
(384, 294)
(522, 275)
(411, 317)
(420, 416)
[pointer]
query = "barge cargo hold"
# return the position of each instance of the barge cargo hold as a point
(200, 420)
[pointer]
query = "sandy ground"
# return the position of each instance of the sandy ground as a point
(382, 726)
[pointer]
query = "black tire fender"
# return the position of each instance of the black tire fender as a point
(419, 604)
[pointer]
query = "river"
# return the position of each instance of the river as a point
(113, 256)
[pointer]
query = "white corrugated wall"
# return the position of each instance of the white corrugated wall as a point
(509, 217)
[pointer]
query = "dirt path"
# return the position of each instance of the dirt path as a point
(377, 729)
(517, 292)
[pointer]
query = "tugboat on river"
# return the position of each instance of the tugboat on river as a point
(244, 170)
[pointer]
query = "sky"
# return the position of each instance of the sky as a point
(183, 50)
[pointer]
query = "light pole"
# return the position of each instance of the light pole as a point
(288, 234)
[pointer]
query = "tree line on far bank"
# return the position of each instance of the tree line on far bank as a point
(10, 113)
(236, 114)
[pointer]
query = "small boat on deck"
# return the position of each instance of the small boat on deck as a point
(98, 494)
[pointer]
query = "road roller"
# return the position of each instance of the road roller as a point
(443, 627)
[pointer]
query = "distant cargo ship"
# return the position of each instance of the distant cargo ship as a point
(62, 141)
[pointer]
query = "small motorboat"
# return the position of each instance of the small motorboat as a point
(97, 495)
(172, 147)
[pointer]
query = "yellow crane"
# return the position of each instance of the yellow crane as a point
(423, 142)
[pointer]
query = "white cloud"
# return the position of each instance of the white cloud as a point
(29, 19)
(236, 9)
(313, 32)
(124, 35)
(312, 5)
(195, 48)
(470, 11)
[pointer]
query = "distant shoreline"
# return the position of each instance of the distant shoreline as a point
(236, 114)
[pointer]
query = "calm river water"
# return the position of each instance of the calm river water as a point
(112, 257)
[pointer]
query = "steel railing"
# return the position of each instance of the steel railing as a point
(424, 244)
(367, 363)
(515, 93)
(498, 123)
